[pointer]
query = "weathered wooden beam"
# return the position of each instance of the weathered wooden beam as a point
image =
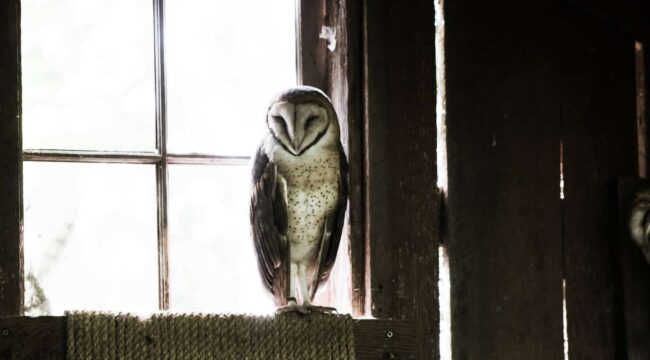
(11, 211)
(503, 144)
(32, 337)
(345, 81)
(643, 72)
(44, 337)
(400, 165)
(386, 339)
(598, 112)
(311, 55)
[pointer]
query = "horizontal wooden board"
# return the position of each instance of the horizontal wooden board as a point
(44, 338)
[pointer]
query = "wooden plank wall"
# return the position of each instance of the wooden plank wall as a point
(504, 196)
(521, 79)
(10, 161)
(400, 169)
(600, 145)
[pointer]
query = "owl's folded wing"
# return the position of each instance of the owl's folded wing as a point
(268, 216)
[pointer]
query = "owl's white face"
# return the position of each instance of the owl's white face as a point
(297, 126)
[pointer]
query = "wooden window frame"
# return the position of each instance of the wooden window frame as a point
(381, 79)
(161, 158)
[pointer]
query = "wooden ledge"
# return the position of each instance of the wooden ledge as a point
(44, 338)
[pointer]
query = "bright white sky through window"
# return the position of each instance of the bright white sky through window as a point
(90, 233)
(88, 75)
(224, 61)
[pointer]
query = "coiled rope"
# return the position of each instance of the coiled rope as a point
(93, 335)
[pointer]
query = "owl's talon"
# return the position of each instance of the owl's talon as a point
(322, 309)
(305, 309)
(293, 308)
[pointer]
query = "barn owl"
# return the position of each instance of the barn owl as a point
(298, 197)
(640, 222)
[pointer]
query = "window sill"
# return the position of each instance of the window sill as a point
(45, 338)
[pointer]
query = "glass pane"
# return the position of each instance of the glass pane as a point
(225, 60)
(90, 238)
(212, 261)
(88, 78)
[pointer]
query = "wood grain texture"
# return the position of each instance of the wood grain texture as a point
(345, 91)
(11, 211)
(43, 338)
(400, 168)
(633, 278)
(25, 338)
(646, 99)
(641, 115)
(631, 16)
(385, 339)
(505, 250)
(600, 144)
(311, 55)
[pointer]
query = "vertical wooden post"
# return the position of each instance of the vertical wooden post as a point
(517, 88)
(600, 145)
(503, 141)
(645, 41)
(11, 211)
(311, 57)
(345, 90)
(400, 167)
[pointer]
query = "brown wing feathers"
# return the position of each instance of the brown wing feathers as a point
(268, 216)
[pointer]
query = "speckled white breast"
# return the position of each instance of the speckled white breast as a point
(312, 194)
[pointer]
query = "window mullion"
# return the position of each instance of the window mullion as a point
(83, 156)
(161, 145)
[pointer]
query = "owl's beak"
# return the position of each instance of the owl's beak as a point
(297, 138)
(297, 144)
(296, 134)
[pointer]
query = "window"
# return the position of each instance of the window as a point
(393, 232)
(139, 117)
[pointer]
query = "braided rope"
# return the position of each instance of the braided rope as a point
(101, 336)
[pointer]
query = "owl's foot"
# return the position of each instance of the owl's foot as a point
(305, 309)
(320, 309)
(292, 306)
